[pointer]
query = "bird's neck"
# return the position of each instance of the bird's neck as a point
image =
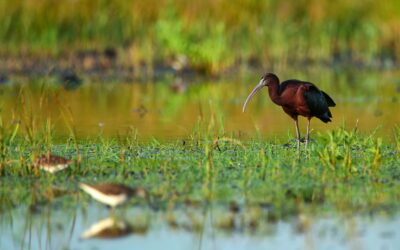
(273, 91)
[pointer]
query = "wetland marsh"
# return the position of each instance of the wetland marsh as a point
(217, 177)
(149, 94)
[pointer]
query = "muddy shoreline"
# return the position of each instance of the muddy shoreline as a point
(112, 65)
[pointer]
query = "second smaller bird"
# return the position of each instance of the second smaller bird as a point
(112, 194)
(52, 163)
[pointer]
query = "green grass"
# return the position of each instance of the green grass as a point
(340, 171)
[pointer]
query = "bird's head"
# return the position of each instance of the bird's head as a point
(266, 80)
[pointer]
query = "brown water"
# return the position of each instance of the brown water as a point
(156, 110)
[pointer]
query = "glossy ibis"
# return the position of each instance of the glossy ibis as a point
(296, 98)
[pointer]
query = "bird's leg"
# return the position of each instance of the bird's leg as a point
(308, 131)
(297, 132)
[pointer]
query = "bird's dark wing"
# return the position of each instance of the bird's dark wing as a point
(287, 83)
(290, 83)
(316, 102)
(328, 99)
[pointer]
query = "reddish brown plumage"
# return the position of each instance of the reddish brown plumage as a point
(296, 98)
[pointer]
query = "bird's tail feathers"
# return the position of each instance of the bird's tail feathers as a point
(326, 117)
(328, 99)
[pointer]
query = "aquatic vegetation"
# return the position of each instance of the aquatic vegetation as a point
(248, 182)
(334, 171)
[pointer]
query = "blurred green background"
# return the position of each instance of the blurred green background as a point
(212, 35)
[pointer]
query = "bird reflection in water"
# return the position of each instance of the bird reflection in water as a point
(109, 228)
(113, 228)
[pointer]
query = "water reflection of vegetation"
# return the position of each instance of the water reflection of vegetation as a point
(154, 109)
(64, 221)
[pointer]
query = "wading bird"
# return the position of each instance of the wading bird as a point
(52, 163)
(112, 194)
(296, 98)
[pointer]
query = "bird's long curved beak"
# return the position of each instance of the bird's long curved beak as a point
(255, 90)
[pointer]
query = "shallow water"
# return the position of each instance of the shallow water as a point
(55, 228)
(366, 99)
(155, 110)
